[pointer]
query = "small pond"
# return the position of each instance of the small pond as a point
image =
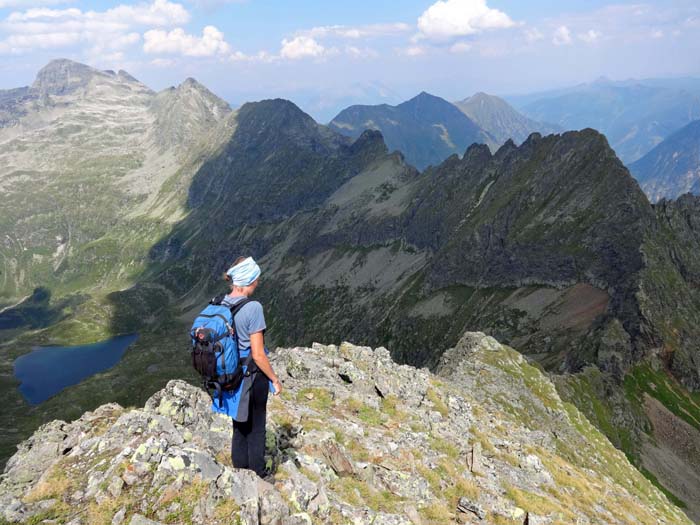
(47, 370)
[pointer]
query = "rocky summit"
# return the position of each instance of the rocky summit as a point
(354, 438)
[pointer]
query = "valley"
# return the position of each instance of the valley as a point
(550, 246)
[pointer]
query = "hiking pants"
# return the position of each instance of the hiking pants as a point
(248, 443)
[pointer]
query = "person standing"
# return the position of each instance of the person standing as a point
(247, 406)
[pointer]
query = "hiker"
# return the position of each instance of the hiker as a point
(247, 406)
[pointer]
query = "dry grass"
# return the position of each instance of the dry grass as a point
(55, 484)
(358, 493)
(483, 439)
(226, 510)
(499, 519)
(437, 402)
(444, 446)
(436, 514)
(103, 513)
(538, 504)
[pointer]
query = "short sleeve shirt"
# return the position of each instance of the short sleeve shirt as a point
(249, 319)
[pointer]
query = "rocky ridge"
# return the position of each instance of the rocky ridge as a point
(355, 438)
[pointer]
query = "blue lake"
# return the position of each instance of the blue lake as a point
(47, 370)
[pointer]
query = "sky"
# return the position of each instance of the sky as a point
(326, 55)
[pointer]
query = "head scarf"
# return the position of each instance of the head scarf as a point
(244, 273)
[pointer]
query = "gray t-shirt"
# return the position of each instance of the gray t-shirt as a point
(249, 319)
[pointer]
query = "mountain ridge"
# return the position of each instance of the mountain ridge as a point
(426, 129)
(636, 115)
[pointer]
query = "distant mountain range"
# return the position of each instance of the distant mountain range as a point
(139, 200)
(635, 116)
(426, 129)
(500, 119)
(673, 167)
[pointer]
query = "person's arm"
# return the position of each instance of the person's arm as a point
(257, 350)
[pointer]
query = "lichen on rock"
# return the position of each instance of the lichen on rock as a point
(354, 438)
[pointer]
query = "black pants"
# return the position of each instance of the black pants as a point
(248, 443)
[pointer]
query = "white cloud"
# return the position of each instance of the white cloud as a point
(562, 36)
(460, 47)
(157, 13)
(533, 34)
(163, 62)
(413, 51)
(42, 41)
(361, 52)
(447, 19)
(656, 34)
(177, 42)
(692, 21)
(356, 32)
(212, 4)
(591, 36)
(97, 31)
(313, 43)
(112, 57)
(302, 47)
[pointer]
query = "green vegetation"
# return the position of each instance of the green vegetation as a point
(317, 398)
(672, 497)
(643, 379)
(437, 402)
(360, 493)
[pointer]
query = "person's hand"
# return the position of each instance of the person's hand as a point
(277, 386)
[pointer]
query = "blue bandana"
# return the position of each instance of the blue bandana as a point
(244, 273)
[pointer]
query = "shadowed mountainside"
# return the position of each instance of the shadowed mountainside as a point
(673, 167)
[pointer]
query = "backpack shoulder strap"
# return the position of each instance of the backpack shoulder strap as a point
(236, 307)
(217, 300)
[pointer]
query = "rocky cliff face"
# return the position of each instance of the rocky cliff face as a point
(355, 438)
(671, 250)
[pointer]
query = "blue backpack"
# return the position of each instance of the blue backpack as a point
(215, 352)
